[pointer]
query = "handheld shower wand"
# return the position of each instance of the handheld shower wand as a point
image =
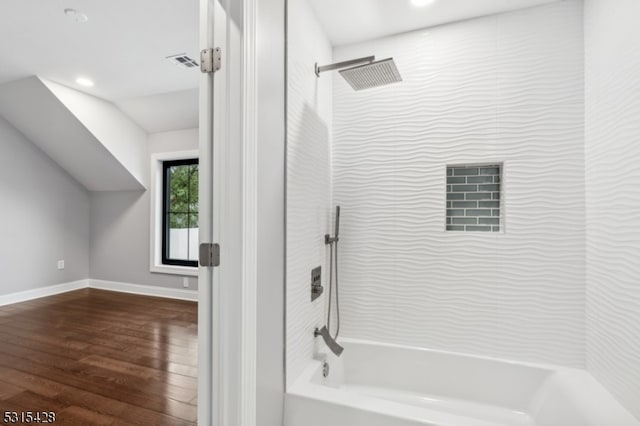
(337, 222)
(333, 257)
(327, 238)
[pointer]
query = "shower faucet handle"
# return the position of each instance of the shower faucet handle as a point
(316, 283)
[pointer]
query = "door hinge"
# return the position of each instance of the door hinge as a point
(210, 60)
(209, 254)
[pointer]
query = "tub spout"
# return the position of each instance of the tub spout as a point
(326, 336)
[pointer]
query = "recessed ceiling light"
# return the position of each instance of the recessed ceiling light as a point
(422, 3)
(76, 15)
(82, 81)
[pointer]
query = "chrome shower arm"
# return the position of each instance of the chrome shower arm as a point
(345, 64)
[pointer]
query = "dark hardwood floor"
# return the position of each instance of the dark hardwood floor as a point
(100, 358)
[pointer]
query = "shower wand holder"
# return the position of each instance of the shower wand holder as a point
(328, 239)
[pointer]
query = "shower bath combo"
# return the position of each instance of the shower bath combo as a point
(362, 73)
(332, 242)
(391, 380)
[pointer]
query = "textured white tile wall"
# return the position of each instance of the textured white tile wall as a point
(502, 88)
(308, 180)
(612, 42)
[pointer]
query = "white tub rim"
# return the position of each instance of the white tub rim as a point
(307, 388)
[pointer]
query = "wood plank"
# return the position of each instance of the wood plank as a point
(76, 416)
(101, 358)
(7, 390)
(72, 396)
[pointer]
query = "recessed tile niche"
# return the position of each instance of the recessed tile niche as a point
(473, 198)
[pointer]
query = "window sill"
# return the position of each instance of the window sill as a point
(175, 270)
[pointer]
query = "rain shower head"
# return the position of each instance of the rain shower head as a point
(378, 73)
(365, 73)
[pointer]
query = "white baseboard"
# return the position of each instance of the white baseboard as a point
(145, 290)
(36, 293)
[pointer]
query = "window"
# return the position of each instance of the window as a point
(173, 240)
(180, 212)
(473, 198)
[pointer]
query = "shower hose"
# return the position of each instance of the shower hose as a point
(333, 269)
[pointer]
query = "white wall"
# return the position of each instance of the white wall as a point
(612, 155)
(44, 218)
(270, 66)
(500, 88)
(308, 180)
(120, 225)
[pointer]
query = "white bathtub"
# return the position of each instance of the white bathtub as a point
(375, 384)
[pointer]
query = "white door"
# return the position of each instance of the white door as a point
(220, 304)
(208, 398)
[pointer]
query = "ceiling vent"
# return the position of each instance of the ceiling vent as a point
(182, 60)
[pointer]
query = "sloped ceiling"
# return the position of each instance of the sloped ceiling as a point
(98, 134)
(122, 47)
(90, 138)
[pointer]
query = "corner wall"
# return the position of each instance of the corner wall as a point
(612, 155)
(44, 218)
(120, 225)
(500, 88)
(308, 180)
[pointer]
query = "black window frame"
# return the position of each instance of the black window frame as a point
(166, 260)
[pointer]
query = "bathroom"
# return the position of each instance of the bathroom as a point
(486, 258)
(411, 212)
